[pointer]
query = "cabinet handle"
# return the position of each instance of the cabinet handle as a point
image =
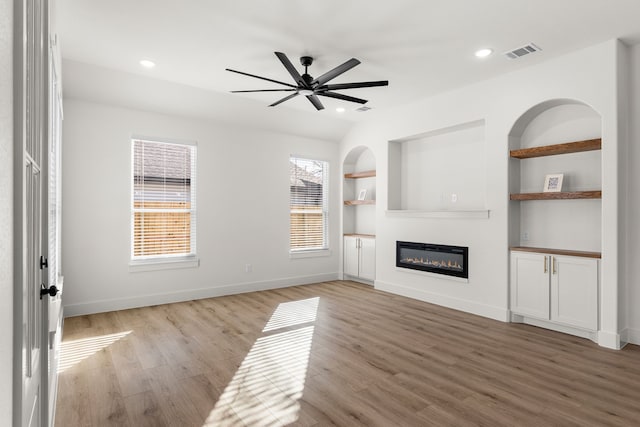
(545, 264)
(553, 264)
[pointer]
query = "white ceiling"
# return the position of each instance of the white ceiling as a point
(422, 47)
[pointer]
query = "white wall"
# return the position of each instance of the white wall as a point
(589, 76)
(113, 87)
(6, 207)
(242, 193)
(633, 211)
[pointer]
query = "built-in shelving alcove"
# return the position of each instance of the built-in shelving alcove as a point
(359, 215)
(555, 236)
(359, 191)
(556, 137)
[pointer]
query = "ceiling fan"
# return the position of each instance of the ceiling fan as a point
(310, 87)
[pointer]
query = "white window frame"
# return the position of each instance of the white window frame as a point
(325, 249)
(164, 262)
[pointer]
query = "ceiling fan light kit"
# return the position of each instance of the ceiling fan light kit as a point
(311, 88)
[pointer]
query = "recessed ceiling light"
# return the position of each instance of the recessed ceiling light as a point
(483, 53)
(340, 109)
(146, 63)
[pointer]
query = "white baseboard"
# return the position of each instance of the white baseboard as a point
(602, 338)
(357, 279)
(582, 333)
(191, 294)
(631, 336)
(492, 312)
(609, 340)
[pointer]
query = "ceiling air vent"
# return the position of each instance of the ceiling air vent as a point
(363, 109)
(522, 51)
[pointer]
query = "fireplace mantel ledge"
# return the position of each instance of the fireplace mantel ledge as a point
(403, 213)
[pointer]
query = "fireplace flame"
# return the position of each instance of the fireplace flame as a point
(449, 264)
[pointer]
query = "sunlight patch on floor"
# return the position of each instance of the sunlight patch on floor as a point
(268, 384)
(74, 352)
(293, 313)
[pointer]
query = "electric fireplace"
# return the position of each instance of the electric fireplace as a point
(440, 259)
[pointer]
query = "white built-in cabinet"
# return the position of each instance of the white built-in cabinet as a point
(360, 257)
(555, 287)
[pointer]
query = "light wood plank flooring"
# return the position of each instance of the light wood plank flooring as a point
(334, 353)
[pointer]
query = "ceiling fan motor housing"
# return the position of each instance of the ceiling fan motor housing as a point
(307, 79)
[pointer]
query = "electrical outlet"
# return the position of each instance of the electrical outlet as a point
(454, 197)
(525, 236)
(248, 268)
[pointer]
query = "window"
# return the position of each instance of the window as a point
(163, 205)
(308, 204)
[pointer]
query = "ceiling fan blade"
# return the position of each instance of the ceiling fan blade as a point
(286, 98)
(316, 102)
(262, 78)
(263, 90)
(340, 86)
(342, 97)
(290, 68)
(335, 72)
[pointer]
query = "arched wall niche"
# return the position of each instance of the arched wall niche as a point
(359, 219)
(532, 113)
(359, 154)
(557, 224)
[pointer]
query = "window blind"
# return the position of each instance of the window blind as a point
(164, 200)
(308, 204)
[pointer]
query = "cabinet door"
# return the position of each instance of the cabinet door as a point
(368, 258)
(574, 291)
(350, 266)
(530, 284)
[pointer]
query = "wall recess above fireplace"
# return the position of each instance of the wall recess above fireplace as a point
(439, 170)
(433, 258)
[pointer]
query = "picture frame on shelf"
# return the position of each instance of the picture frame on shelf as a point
(553, 183)
(362, 194)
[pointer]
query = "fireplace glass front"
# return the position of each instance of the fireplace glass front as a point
(441, 259)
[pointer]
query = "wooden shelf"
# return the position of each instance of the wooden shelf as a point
(372, 236)
(597, 194)
(359, 202)
(550, 251)
(551, 150)
(363, 174)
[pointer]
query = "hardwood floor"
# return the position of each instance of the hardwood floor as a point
(334, 353)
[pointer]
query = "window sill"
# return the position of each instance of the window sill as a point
(163, 264)
(310, 254)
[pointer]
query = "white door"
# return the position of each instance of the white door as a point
(574, 291)
(31, 135)
(351, 256)
(367, 258)
(530, 284)
(54, 231)
(32, 316)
